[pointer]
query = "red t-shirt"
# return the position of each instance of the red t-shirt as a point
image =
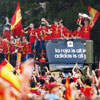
(68, 34)
(28, 48)
(99, 86)
(76, 33)
(12, 48)
(42, 77)
(98, 73)
(86, 32)
(32, 38)
(63, 29)
(5, 48)
(35, 91)
(45, 34)
(87, 91)
(18, 43)
(39, 33)
(7, 34)
(55, 32)
(21, 34)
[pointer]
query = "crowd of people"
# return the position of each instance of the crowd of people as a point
(42, 84)
(30, 41)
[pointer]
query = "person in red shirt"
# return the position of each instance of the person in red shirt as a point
(22, 33)
(46, 32)
(87, 90)
(63, 29)
(27, 49)
(7, 34)
(32, 36)
(18, 44)
(5, 46)
(34, 89)
(54, 28)
(37, 44)
(12, 50)
(23, 48)
(68, 34)
(43, 36)
(43, 75)
(86, 29)
(77, 33)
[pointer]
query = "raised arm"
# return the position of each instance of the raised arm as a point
(92, 23)
(7, 21)
(80, 23)
(73, 70)
(46, 22)
(25, 30)
(88, 73)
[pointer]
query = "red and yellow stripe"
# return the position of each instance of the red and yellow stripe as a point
(16, 19)
(93, 13)
(6, 73)
(68, 95)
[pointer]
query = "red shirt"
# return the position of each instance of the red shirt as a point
(87, 91)
(99, 86)
(98, 73)
(7, 34)
(78, 34)
(32, 35)
(22, 47)
(28, 48)
(18, 43)
(5, 48)
(63, 29)
(21, 34)
(45, 34)
(68, 34)
(12, 48)
(86, 32)
(39, 33)
(55, 31)
(35, 91)
(42, 77)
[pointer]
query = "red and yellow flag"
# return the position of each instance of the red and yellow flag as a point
(16, 25)
(68, 95)
(93, 13)
(6, 73)
(6, 64)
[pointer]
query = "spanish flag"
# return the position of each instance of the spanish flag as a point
(93, 13)
(6, 73)
(68, 95)
(6, 64)
(16, 25)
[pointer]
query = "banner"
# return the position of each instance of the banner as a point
(66, 51)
